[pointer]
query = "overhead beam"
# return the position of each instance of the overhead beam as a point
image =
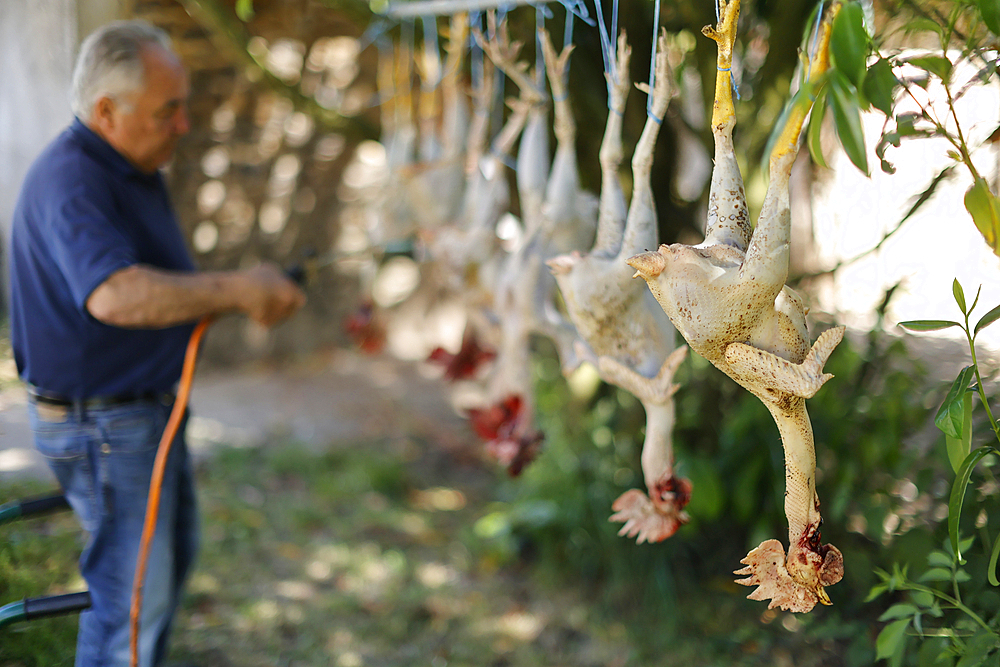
(401, 10)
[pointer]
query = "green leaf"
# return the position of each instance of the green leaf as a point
(936, 65)
(815, 130)
(961, 576)
(978, 649)
(987, 319)
(958, 448)
(976, 300)
(928, 325)
(877, 590)
(956, 289)
(244, 10)
(990, 10)
(902, 610)
(923, 598)
(847, 119)
(938, 558)
(880, 86)
(984, 208)
(992, 573)
(849, 42)
(958, 495)
(951, 415)
(891, 638)
(936, 574)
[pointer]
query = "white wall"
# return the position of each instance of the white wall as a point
(38, 44)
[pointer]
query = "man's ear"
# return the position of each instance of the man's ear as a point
(104, 113)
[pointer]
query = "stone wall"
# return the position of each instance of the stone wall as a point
(256, 179)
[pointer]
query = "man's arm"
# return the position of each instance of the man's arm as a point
(145, 297)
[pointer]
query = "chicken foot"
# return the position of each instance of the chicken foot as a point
(728, 299)
(658, 514)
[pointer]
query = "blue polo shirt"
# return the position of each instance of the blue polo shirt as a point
(85, 212)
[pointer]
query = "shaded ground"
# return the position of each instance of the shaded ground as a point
(353, 536)
(322, 400)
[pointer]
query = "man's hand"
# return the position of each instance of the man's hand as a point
(270, 296)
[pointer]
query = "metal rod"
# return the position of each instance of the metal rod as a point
(400, 10)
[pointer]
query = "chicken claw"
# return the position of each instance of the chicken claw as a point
(765, 566)
(652, 521)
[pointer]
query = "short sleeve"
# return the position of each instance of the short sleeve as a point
(86, 244)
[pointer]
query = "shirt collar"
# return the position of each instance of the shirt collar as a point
(94, 144)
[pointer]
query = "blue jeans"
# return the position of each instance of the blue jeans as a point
(103, 459)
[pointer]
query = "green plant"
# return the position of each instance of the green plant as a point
(966, 31)
(962, 629)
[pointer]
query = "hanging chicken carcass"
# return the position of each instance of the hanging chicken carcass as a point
(727, 297)
(618, 318)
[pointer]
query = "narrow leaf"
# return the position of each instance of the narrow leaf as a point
(958, 495)
(984, 208)
(988, 319)
(951, 415)
(880, 86)
(849, 42)
(928, 325)
(976, 300)
(847, 119)
(956, 289)
(814, 132)
(958, 448)
(992, 573)
(891, 638)
(799, 97)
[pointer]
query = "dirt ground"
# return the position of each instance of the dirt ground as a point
(333, 397)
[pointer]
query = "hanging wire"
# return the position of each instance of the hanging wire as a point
(431, 45)
(652, 60)
(815, 37)
(732, 78)
(540, 13)
(614, 22)
(607, 50)
(374, 32)
(407, 30)
(476, 52)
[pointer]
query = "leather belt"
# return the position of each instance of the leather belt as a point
(98, 402)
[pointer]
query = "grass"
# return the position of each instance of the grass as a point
(385, 554)
(362, 556)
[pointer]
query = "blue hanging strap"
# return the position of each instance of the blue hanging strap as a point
(374, 33)
(815, 37)
(540, 13)
(476, 65)
(407, 31)
(652, 60)
(607, 50)
(614, 22)
(431, 46)
(732, 79)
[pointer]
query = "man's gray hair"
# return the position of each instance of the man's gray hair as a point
(110, 63)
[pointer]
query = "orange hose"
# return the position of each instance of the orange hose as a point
(156, 482)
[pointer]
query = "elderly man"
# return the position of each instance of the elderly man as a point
(104, 294)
